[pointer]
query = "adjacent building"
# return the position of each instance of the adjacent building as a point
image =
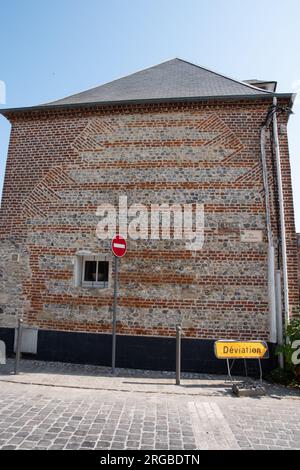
(175, 133)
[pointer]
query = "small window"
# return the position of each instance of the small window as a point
(95, 273)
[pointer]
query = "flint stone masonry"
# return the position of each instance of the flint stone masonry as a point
(75, 219)
(207, 196)
(12, 274)
(152, 175)
(152, 156)
(63, 164)
(225, 243)
(137, 287)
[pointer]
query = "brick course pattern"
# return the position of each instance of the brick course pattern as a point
(62, 164)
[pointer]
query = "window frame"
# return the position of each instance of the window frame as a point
(95, 284)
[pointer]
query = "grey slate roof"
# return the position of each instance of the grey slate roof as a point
(175, 78)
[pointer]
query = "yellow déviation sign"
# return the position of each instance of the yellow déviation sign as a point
(241, 349)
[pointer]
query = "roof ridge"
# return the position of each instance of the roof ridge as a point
(225, 76)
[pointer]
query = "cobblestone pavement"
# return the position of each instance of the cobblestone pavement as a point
(34, 416)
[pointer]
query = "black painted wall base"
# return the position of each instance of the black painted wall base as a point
(137, 352)
(8, 335)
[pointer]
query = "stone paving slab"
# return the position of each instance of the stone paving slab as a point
(211, 430)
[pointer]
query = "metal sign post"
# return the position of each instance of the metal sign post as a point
(114, 321)
(118, 247)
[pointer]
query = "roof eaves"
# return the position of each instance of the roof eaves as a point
(46, 108)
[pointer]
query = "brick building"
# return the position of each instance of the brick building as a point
(298, 240)
(173, 133)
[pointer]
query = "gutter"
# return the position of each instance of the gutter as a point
(194, 99)
(273, 337)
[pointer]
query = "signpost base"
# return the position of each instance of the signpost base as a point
(243, 350)
(248, 389)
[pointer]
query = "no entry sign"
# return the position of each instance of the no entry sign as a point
(118, 246)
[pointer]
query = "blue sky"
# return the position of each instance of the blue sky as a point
(54, 48)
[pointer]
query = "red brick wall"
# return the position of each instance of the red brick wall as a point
(220, 291)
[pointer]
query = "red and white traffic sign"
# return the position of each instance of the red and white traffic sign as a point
(118, 246)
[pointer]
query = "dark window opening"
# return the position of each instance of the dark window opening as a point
(90, 271)
(102, 271)
(95, 273)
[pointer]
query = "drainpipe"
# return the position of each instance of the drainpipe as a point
(282, 215)
(279, 316)
(271, 251)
